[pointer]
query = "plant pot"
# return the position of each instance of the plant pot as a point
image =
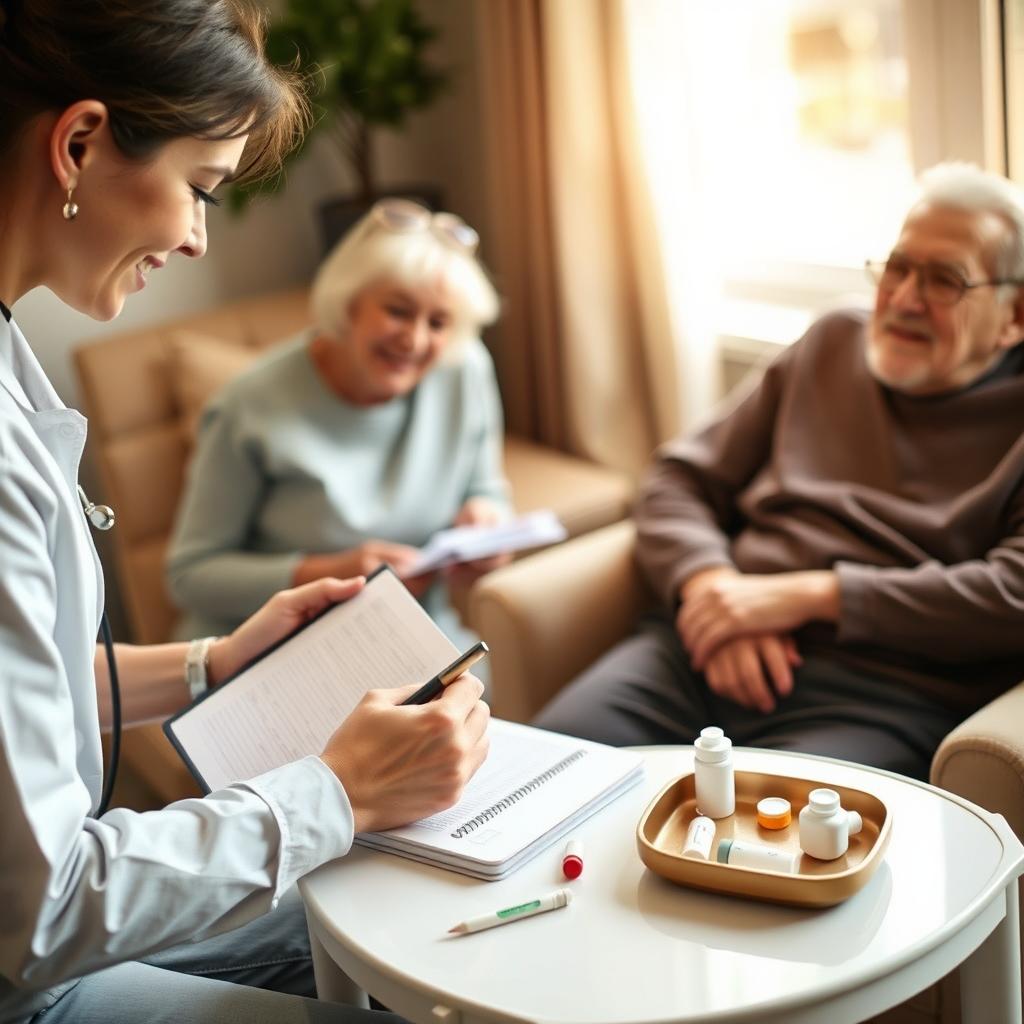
(338, 215)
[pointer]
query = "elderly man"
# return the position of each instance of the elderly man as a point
(840, 554)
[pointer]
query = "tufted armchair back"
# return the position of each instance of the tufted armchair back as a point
(132, 386)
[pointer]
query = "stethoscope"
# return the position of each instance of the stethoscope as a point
(102, 518)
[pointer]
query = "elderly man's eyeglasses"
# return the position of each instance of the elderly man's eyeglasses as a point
(403, 215)
(937, 284)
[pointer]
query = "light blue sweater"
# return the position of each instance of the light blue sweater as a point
(284, 467)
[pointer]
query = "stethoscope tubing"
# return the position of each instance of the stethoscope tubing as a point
(102, 518)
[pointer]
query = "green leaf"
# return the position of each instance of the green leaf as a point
(366, 61)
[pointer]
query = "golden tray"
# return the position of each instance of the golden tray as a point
(817, 883)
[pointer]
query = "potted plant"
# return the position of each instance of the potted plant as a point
(366, 62)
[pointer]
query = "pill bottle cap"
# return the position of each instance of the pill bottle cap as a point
(722, 856)
(774, 812)
(712, 745)
(823, 801)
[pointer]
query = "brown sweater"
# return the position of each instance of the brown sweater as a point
(916, 503)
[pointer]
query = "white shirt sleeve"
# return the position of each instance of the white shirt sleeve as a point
(77, 894)
(85, 893)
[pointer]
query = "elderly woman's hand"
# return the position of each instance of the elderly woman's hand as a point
(362, 561)
(477, 512)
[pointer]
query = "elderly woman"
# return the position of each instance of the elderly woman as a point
(352, 444)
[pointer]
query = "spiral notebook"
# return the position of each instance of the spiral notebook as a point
(533, 787)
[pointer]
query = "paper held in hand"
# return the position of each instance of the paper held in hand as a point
(534, 787)
(468, 543)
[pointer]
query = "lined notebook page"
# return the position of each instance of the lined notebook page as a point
(289, 703)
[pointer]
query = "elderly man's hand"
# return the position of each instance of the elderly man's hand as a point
(752, 670)
(721, 604)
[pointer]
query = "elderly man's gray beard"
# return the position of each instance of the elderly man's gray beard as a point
(909, 378)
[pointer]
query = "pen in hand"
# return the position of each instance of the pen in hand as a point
(428, 691)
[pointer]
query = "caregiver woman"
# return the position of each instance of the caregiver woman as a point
(118, 119)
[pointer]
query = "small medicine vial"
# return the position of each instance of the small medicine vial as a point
(774, 812)
(713, 774)
(741, 854)
(699, 837)
(825, 828)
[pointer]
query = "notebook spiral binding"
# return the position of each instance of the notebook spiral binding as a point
(515, 796)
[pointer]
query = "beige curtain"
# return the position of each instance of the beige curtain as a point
(587, 356)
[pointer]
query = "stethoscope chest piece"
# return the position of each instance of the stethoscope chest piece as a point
(101, 516)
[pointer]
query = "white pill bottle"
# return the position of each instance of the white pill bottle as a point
(699, 837)
(825, 828)
(713, 773)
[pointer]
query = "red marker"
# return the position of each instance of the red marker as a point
(572, 860)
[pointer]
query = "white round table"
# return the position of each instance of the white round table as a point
(633, 948)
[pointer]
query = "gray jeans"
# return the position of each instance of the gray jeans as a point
(645, 691)
(258, 974)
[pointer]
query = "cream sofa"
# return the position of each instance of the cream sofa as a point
(551, 615)
(143, 391)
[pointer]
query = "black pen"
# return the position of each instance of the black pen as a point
(428, 691)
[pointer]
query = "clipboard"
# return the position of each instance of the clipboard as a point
(298, 668)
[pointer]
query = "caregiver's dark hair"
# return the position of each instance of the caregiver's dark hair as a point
(165, 69)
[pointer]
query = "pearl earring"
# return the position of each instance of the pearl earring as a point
(70, 210)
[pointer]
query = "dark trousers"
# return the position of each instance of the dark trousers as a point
(644, 691)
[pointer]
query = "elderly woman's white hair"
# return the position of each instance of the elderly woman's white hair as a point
(967, 187)
(372, 252)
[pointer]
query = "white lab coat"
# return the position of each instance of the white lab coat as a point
(77, 893)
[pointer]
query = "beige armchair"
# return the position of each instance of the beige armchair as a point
(549, 616)
(143, 391)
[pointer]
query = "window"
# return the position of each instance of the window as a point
(812, 134)
(801, 125)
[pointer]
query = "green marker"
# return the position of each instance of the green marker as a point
(554, 900)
